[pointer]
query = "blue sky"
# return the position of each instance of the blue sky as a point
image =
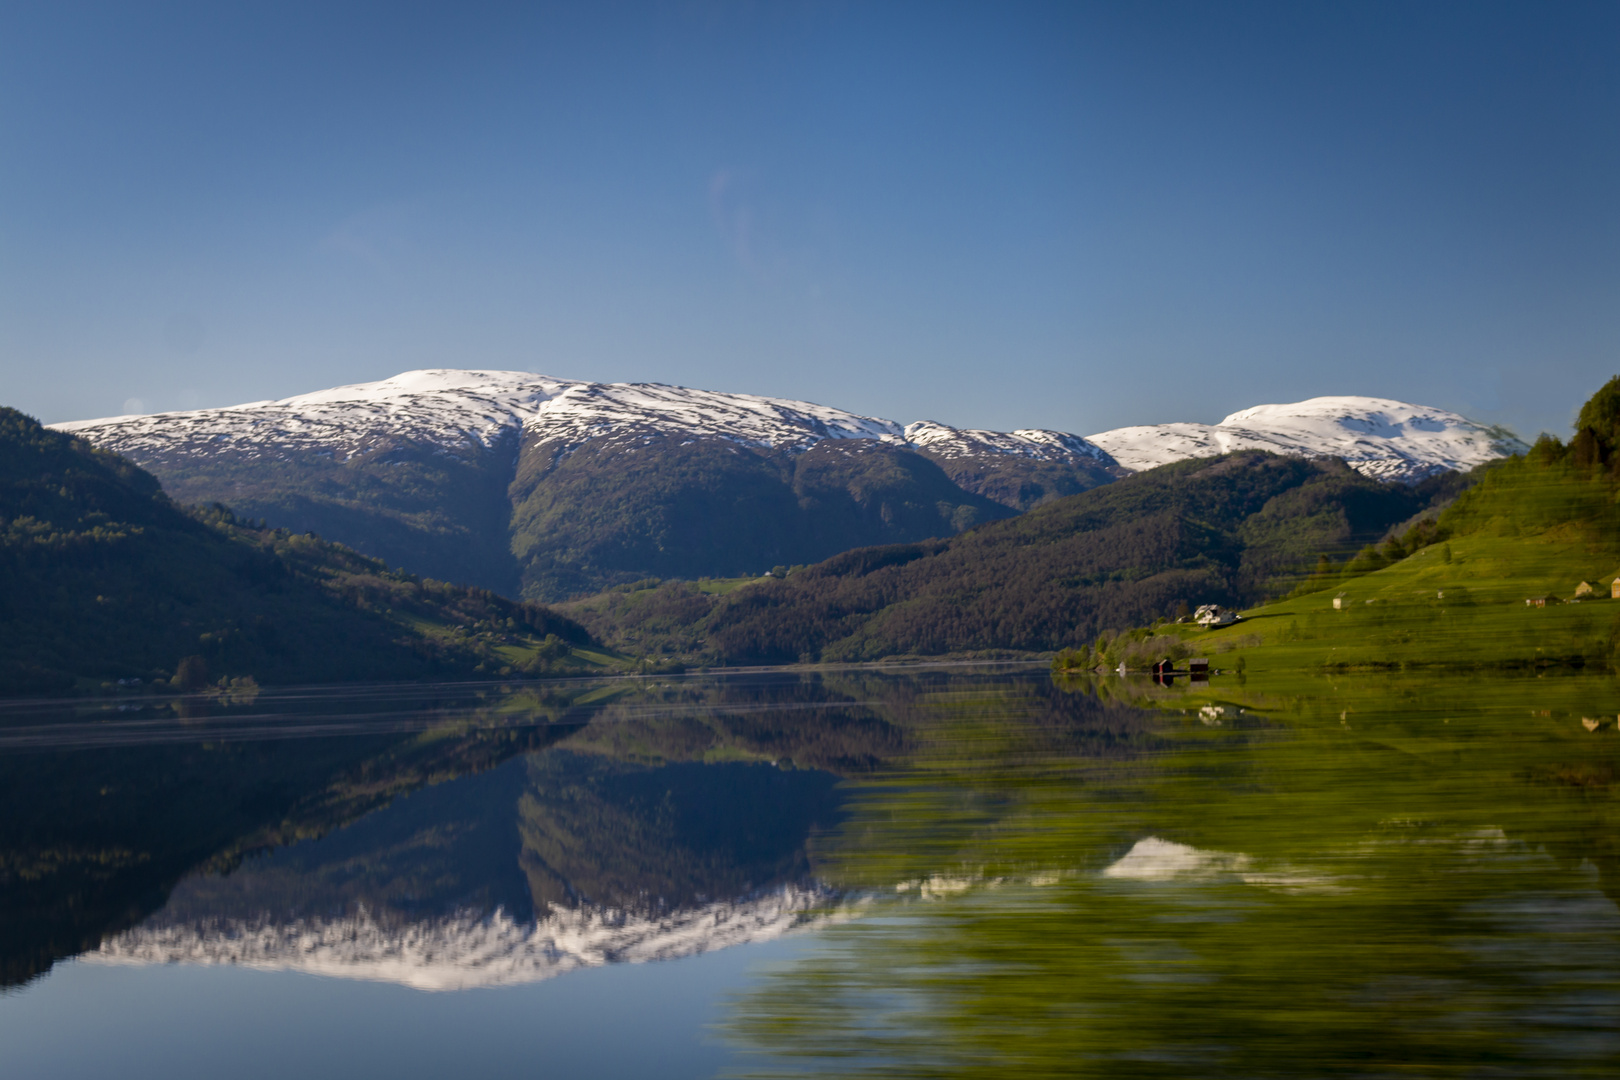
(1000, 215)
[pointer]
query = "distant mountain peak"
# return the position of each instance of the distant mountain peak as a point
(1378, 437)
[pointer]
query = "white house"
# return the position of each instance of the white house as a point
(1212, 615)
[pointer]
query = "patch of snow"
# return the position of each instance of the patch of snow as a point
(612, 410)
(442, 407)
(1039, 445)
(1380, 438)
(456, 410)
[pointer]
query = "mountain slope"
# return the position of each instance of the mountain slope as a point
(1223, 531)
(549, 488)
(103, 577)
(545, 487)
(1454, 595)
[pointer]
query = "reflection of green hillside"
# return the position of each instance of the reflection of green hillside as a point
(95, 839)
(1377, 878)
(552, 827)
(628, 836)
(443, 848)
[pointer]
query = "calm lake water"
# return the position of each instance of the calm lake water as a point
(940, 871)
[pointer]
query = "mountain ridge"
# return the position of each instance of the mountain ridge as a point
(549, 488)
(453, 406)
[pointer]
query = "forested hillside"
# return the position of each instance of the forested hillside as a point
(442, 513)
(1225, 530)
(102, 577)
(688, 508)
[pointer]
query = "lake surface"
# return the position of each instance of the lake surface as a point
(935, 871)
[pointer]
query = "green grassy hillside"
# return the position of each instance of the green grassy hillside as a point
(1452, 595)
(102, 578)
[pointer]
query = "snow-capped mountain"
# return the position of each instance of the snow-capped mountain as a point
(553, 488)
(1380, 438)
(443, 407)
(459, 952)
(456, 408)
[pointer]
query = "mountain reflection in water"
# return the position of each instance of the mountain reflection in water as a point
(459, 952)
(1364, 876)
(545, 864)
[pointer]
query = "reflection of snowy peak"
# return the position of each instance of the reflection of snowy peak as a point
(465, 951)
(1383, 439)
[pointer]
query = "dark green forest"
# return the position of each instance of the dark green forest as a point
(104, 578)
(1023, 483)
(433, 512)
(670, 507)
(1228, 530)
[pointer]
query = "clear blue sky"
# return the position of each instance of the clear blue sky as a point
(1001, 215)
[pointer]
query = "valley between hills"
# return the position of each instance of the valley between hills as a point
(448, 525)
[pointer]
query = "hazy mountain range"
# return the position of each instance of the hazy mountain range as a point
(548, 488)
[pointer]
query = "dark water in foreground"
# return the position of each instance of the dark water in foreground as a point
(932, 872)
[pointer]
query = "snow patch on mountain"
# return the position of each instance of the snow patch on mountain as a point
(459, 952)
(441, 407)
(611, 410)
(1379, 438)
(1039, 445)
(455, 410)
